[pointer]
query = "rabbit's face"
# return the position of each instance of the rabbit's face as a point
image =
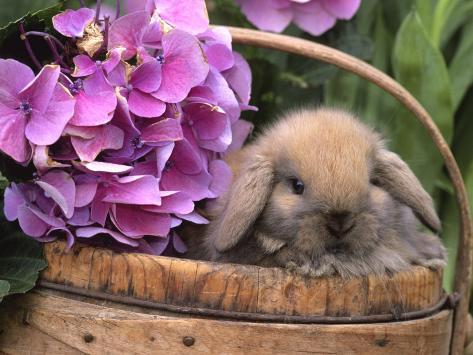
(322, 199)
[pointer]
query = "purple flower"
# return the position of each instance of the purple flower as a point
(190, 15)
(183, 66)
(43, 162)
(89, 232)
(181, 168)
(313, 16)
(128, 31)
(139, 142)
(144, 80)
(72, 23)
(210, 125)
(89, 142)
(27, 204)
(95, 100)
(60, 187)
(124, 146)
(218, 48)
(32, 109)
(85, 66)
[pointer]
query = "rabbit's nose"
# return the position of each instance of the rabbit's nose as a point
(340, 223)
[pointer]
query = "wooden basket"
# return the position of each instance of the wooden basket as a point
(97, 301)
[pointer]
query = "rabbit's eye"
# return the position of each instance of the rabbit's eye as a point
(297, 186)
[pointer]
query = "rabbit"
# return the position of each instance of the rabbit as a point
(319, 194)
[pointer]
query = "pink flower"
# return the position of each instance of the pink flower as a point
(72, 23)
(313, 16)
(33, 110)
(123, 147)
(95, 100)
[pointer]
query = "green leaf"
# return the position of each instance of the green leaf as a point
(420, 67)
(460, 14)
(442, 13)
(425, 9)
(461, 70)
(11, 13)
(21, 261)
(41, 18)
(4, 288)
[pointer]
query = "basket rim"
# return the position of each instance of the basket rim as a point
(243, 292)
(313, 50)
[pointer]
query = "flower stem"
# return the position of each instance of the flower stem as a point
(81, 2)
(66, 70)
(117, 15)
(106, 26)
(97, 10)
(44, 34)
(24, 38)
(55, 52)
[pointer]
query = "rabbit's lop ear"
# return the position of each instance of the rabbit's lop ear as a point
(393, 174)
(245, 202)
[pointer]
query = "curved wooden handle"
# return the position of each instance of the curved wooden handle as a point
(349, 63)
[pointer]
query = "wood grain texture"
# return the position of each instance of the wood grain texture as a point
(238, 288)
(309, 49)
(43, 323)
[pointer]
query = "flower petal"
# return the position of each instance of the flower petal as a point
(39, 92)
(222, 177)
(134, 190)
(43, 162)
(313, 18)
(46, 128)
(190, 15)
(102, 167)
(95, 103)
(127, 31)
(193, 217)
(147, 77)
(265, 16)
(31, 224)
(84, 66)
(69, 237)
(342, 9)
(175, 203)
(14, 76)
(185, 66)
(86, 188)
(107, 137)
(135, 222)
(12, 136)
(89, 232)
(241, 129)
(239, 78)
(145, 105)
(81, 217)
(60, 186)
(72, 23)
(13, 198)
(195, 186)
(167, 130)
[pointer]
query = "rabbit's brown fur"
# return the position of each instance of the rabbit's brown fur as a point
(354, 217)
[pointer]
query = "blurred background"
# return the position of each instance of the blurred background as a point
(426, 45)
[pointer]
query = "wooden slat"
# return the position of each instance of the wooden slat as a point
(57, 325)
(238, 288)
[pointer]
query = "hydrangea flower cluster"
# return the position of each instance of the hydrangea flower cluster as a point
(127, 127)
(313, 16)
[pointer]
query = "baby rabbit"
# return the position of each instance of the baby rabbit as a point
(318, 193)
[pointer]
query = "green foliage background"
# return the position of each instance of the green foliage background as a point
(426, 45)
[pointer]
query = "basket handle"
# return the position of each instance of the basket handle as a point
(351, 64)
